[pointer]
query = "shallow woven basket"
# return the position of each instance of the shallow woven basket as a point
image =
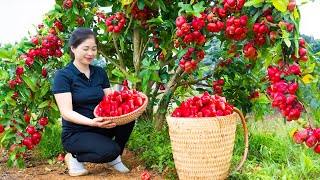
(126, 118)
(202, 147)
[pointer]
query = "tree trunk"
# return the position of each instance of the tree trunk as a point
(136, 52)
(164, 102)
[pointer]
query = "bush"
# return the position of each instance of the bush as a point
(50, 145)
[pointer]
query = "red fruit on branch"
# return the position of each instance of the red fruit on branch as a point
(316, 132)
(124, 83)
(292, 88)
(302, 51)
(80, 20)
(30, 130)
(19, 71)
(44, 73)
(1, 128)
(291, 6)
(27, 142)
(29, 61)
(36, 138)
(180, 20)
(67, 4)
(317, 149)
(27, 118)
(297, 138)
(269, 18)
(43, 121)
(311, 141)
(162, 88)
(302, 42)
(295, 69)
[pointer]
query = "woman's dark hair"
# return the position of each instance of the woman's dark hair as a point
(79, 36)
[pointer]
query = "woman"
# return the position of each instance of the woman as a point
(78, 88)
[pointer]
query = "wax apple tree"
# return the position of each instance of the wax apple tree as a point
(247, 51)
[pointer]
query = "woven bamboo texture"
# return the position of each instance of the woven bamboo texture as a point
(202, 147)
(126, 118)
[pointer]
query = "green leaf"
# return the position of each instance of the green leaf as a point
(44, 89)
(287, 41)
(4, 54)
(253, 2)
(182, 52)
(280, 5)
(141, 4)
(290, 78)
(117, 73)
(184, 7)
(133, 79)
(57, 7)
(44, 104)
(199, 7)
(162, 5)
(29, 82)
(4, 75)
(156, 20)
(54, 106)
(75, 10)
(145, 81)
(155, 77)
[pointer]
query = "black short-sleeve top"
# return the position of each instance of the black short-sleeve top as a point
(86, 93)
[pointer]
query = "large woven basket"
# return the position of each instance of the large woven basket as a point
(126, 118)
(202, 147)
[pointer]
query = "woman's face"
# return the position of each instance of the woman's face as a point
(85, 52)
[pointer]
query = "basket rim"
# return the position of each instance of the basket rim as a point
(124, 115)
(189, 118)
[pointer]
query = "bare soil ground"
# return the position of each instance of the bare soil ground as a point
(41, 170)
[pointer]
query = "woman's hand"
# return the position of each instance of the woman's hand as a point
(101, 122)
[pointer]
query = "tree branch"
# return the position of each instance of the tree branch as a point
(114, 63)
(144, 48)
(118, 51)
(197, 81)
(170, 60)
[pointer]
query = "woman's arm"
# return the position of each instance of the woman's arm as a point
(64, 102)
(107, 91)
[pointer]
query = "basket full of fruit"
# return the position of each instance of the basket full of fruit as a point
(122, 106)
(202, 132)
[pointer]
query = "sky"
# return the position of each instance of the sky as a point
(18, 16)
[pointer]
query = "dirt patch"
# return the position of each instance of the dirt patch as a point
(42, 170)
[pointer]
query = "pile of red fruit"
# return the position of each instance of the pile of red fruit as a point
(204, 106)
(233, 5)
(236, 28)
(142, 14)
(260, 31)
(120, 103)
(115, 23)
(250, 51)
(311, 137)
(218, 86)
(283, 92)
(187, 63)
(302, 51)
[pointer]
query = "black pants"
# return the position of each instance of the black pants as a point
(99, 145)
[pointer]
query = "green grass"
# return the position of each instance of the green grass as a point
(273, 154)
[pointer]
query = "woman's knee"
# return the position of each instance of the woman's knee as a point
(111, 153)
